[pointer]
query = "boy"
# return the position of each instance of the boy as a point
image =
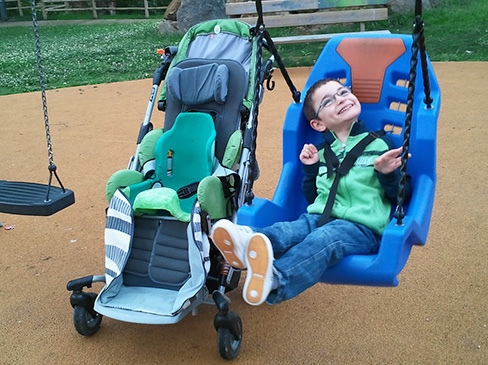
(288, 257)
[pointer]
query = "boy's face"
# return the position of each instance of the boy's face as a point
(337, 107)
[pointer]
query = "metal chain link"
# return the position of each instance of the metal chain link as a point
(418, 45)
(423, 59)
(42, 84)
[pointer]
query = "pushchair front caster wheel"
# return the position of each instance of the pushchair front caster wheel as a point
(228, 342)
(229, 328)
(86, 320)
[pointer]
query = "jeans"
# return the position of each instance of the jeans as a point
(303, 251)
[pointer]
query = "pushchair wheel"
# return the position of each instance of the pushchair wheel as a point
(228, 342)
(86, 321)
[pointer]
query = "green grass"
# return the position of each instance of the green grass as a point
(457, 30)
(79, 55)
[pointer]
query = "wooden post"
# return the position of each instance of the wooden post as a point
(94, 9)
(43, 8)
(19, 4)
(146, 10)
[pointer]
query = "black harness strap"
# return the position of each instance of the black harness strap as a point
(231, 185)
(341, 169)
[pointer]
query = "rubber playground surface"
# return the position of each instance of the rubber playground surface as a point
(437, 315)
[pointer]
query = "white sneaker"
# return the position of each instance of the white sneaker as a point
(259, 261)
(231, 240)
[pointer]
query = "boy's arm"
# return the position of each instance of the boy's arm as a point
(309, 157)
(309, 187)
(390, 183)
(387, 168)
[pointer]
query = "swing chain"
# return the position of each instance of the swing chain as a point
(52, 166)
(419, 30)
(399, 211)
(418, 46)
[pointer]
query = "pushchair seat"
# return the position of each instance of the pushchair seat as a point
(159, 256)
(154, 256)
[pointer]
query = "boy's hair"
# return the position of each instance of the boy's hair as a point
(308, 109)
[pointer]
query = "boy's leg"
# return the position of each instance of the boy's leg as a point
(232, 239)
(284, 235)
(303, 264)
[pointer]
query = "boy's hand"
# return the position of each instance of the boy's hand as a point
(389, 161)
(309, 154)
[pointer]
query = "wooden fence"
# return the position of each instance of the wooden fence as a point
(47, 6)
(15, 5)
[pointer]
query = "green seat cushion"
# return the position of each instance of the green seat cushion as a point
(121, 179)
(148, 144)
(232, 152)
(211, 197)
(154, 201)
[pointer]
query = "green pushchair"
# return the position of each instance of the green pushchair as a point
(200, 167)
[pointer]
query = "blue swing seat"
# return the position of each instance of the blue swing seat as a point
(377, 68)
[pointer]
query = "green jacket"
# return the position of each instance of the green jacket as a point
(364, 195)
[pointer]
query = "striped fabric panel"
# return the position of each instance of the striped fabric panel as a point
(118, 235)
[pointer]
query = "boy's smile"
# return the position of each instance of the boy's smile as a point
(345, 108)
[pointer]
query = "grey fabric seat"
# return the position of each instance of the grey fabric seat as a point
(159, 254)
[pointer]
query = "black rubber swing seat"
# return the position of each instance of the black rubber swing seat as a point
(30, 198)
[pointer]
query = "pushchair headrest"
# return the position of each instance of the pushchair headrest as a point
(208, 84)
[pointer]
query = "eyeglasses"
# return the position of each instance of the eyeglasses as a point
(329, 101)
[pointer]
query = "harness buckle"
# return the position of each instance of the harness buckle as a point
(187, 190)
(184, 192)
